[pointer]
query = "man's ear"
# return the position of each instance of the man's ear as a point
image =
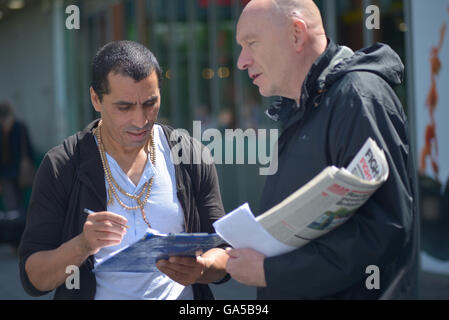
(299, 34)
(95, 99)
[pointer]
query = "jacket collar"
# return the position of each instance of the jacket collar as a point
(281, 109)
(90, 166)
(310, 87)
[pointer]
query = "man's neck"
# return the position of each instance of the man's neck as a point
(316, 50)
(132, 160)
(113, 148)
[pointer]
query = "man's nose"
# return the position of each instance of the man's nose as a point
(140, 116)
(244, 61)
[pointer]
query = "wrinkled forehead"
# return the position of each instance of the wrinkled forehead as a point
(256, 21)
(126, 86)
(252, 23)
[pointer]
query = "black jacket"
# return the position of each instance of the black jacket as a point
(71, 178)
(345, 99)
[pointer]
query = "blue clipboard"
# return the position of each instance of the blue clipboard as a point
(142, 255)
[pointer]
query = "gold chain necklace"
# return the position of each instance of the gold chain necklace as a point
(113, 185)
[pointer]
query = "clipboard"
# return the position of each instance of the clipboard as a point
(141, 256)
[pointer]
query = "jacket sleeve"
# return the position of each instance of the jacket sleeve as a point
(44, 219)
(209, 202)
(379, 230)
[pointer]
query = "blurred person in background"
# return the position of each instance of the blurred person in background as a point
(16, 172)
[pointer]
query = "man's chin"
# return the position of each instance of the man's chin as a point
(134, 143)
(265, 93)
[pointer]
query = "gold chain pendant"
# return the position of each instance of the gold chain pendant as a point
(111, 181)
(111, 197)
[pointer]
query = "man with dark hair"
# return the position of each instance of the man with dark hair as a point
(120, 167)
(333, 99)
(126, 58)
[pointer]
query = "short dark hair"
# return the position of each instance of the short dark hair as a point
(124, 57)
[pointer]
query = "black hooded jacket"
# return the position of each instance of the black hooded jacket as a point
(346, 98)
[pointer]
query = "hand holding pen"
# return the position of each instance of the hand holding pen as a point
(103, 229)
(88, 211)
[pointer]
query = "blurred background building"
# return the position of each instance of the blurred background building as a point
(45, 67)
(45, 74)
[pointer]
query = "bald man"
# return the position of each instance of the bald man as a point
(331, 101)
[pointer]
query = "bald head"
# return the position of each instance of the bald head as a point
(282, 11)
(278, 37)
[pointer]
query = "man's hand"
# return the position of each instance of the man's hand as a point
(47, 269)
(205, 268)
(246, 266)
(102, 229)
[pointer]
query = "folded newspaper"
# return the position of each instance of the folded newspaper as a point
(323, 204)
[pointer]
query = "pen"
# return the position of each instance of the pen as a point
(90, 212)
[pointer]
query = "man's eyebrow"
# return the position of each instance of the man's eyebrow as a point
(124, 103)
(248, 37)
(127, 103)
(150, 100)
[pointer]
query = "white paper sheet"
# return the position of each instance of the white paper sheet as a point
(241, 230)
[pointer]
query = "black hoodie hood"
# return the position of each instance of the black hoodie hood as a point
(334, 63)
(379, 59)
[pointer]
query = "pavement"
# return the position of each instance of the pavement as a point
(11, 288)
(433, 285)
